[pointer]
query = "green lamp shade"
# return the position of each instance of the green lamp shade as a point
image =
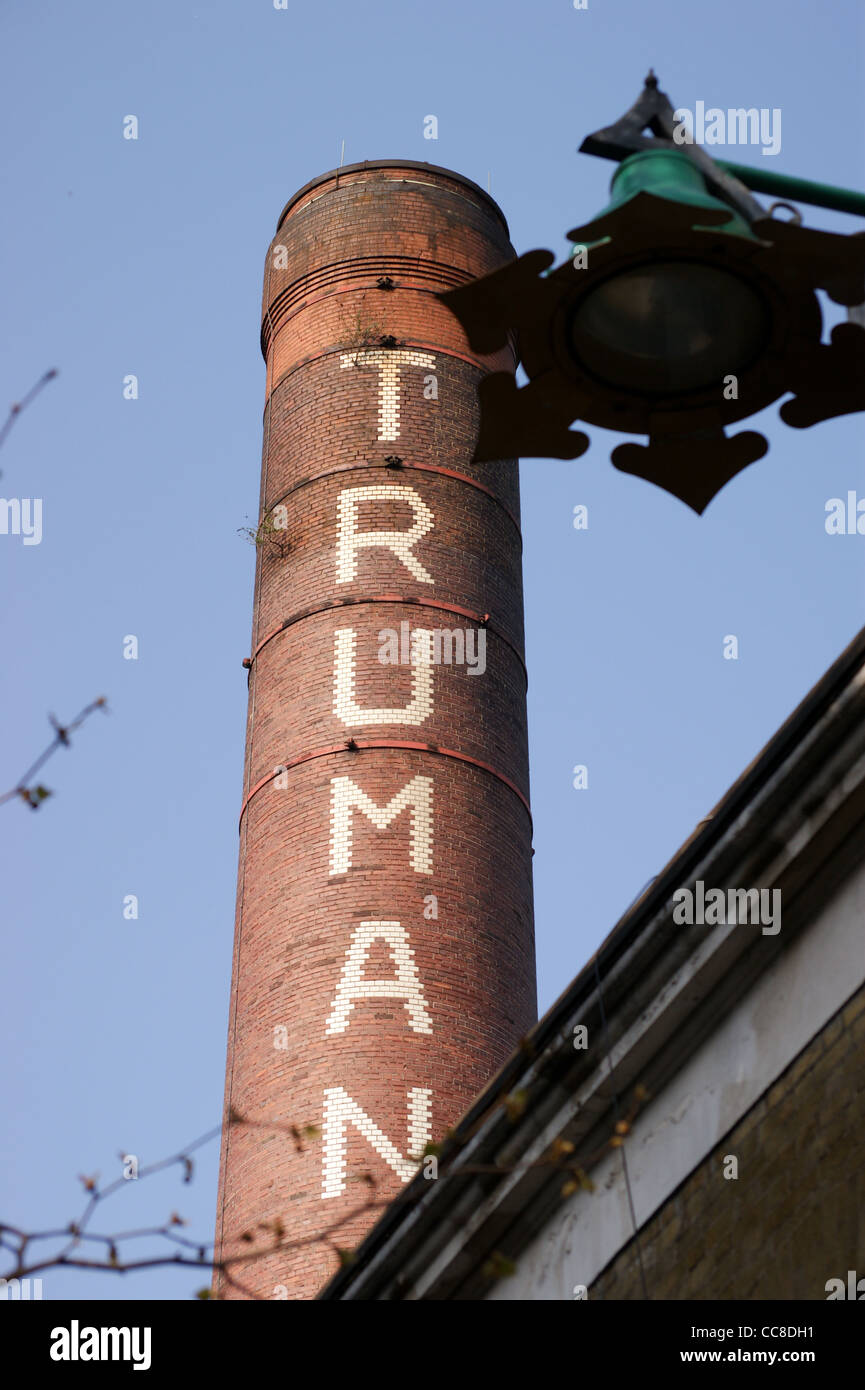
(671, 175)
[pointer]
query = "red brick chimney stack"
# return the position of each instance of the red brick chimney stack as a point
(384, 959)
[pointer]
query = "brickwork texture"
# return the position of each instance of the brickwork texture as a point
(794, 1218)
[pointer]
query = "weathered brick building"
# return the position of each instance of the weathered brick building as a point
(384, 959)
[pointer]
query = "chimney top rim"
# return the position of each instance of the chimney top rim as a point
(372, 164)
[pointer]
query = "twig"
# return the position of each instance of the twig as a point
(559, 1159)
(34, 796)
(16, 408)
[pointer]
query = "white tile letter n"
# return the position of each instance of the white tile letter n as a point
(340, 1111)
(405, 984)
(350, 539)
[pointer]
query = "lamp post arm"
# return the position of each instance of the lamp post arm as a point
(818, 195)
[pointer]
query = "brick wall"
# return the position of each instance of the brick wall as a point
(795, 1216)
(342, 405)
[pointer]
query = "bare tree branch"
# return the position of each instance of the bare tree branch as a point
(35, 795)
(16, 408)
(188, 1253)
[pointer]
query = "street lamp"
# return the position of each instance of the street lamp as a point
(684, 307)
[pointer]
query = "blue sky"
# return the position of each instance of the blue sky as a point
(146, 257)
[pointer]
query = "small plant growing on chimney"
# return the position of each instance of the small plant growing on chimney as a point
(362, 332)
(270, 534)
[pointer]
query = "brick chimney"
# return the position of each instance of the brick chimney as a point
(383, 957)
